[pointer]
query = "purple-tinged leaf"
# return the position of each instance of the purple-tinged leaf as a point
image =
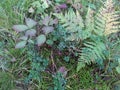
(47, 29)
(57, 9)
(63, 71)
(53, 22)
(23, 38)
(30, 32)
(20, 44)
(20, 28)
(46, 20)
(41, 39)
(62, 6)
(30, 22)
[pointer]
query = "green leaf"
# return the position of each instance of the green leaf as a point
(45, 4)
(118, 69)
(80, 65)
(30, 23)
(59, 1)
(67, 58)
(20, 44)
(41, 39)
(20, 28)
(30, 32)
(23, 38)
(49, 42)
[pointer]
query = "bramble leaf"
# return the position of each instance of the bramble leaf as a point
(30, 23)
(30, 32)
(20, 28)
(47, 29)
(41, 39)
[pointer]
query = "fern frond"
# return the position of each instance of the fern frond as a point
(72, 22)
(92, 52)
(107, 19)
(89, 24)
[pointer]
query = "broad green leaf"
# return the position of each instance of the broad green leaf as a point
(20, 28)
(80, 65)
(41, 39)
(30, 23)
(20, 44)
(30, 32)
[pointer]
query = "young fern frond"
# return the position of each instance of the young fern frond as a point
(73, 23)
(106, 20)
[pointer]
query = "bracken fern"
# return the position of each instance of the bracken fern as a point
(97, 48)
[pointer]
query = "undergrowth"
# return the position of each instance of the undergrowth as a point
(59, 45)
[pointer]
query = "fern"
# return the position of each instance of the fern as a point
(114, 55)
(73, 23)
(89, 24)
(106, 20)
(94, 51)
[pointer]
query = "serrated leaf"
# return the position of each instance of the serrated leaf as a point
(47, 29)
(30, 22)
(30, 32)
(41, 39)
(20, 28)
(20, 44)
(80, 66)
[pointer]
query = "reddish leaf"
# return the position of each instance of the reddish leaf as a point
(63, 71)
(62, 6)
